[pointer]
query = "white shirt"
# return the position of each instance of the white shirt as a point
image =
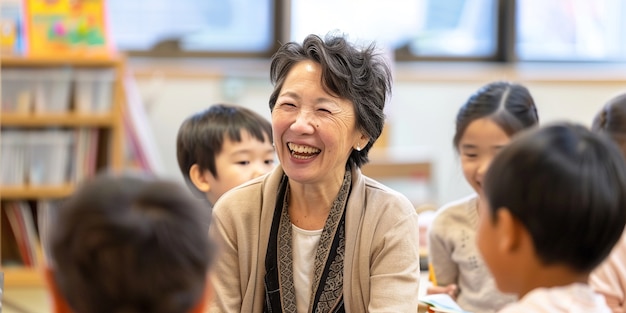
(304, 247)
(573, 298)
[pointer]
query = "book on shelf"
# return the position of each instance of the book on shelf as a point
(21, 221)
(85, 154)
(47, 212)
(26, 231)
(9, 252)
(11, 27)
(48, 157)
(141, 148)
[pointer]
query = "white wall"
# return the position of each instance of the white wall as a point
(169, 102)
(421, 113)
(426, 111)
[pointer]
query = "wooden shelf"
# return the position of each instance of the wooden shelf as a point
(23, 277)
(70, 119)
(109, 147)
(400, 162)
(35, 192)
(379, 170)
(49, 61)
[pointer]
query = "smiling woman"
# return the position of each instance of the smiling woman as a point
(315, 234)
(315, 132)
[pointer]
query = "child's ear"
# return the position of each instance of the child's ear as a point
(198, 178)
(206, 298)
(59, 304)
(509, 231)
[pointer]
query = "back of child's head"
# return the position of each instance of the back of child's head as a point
(611, 120)
(130, 244)
(201, 136)
(567, 186)
(509, 105)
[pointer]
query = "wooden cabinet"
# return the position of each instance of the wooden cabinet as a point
(94, 133)
(407, 170)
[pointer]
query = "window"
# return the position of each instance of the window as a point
(489, 30)
(386, 22)
(456, 28)
(416, 28)
(171, 27)
(572, 30)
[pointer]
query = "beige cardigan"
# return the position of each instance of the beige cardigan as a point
(381, 269)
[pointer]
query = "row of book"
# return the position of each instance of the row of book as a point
(25, 231)
(47, 157)
(51, 90)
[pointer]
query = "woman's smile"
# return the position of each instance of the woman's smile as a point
(302, 151)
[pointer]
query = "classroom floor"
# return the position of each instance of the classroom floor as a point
(35, 300)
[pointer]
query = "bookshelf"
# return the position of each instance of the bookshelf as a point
(101, 128)
(70, 119)
(37, 192)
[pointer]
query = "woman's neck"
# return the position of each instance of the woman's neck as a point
(310, 204)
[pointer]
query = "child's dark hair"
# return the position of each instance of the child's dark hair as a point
(201, 136)
(567, 186)
(131, 244)
(611, 120)
(509, 105)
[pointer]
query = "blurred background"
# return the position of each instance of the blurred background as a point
(92, 85)
(188, 54)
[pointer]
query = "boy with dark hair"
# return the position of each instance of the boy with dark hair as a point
(222, 147)
(129, 244)
(555, 208)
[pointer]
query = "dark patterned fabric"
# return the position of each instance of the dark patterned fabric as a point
(327, 284)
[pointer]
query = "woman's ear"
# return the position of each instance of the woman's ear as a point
(364, 140)
(59, 304)
(198, 178)
(361, 142)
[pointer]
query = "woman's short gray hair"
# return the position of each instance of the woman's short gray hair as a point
(359, 75)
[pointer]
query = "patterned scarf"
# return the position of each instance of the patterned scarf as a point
(327, 284)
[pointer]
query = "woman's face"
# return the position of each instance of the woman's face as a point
(480, 143)
(314, 132)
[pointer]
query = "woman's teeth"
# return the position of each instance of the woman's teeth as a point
(302, 152)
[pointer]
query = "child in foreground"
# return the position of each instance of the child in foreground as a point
(555, 209)
(130, 244)
(222, 147)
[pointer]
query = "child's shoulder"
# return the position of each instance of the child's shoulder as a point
(455, 212)
(456, 207)
(575, 297)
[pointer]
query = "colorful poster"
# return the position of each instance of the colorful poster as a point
(66, 27)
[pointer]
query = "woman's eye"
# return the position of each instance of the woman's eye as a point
(324, 110)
